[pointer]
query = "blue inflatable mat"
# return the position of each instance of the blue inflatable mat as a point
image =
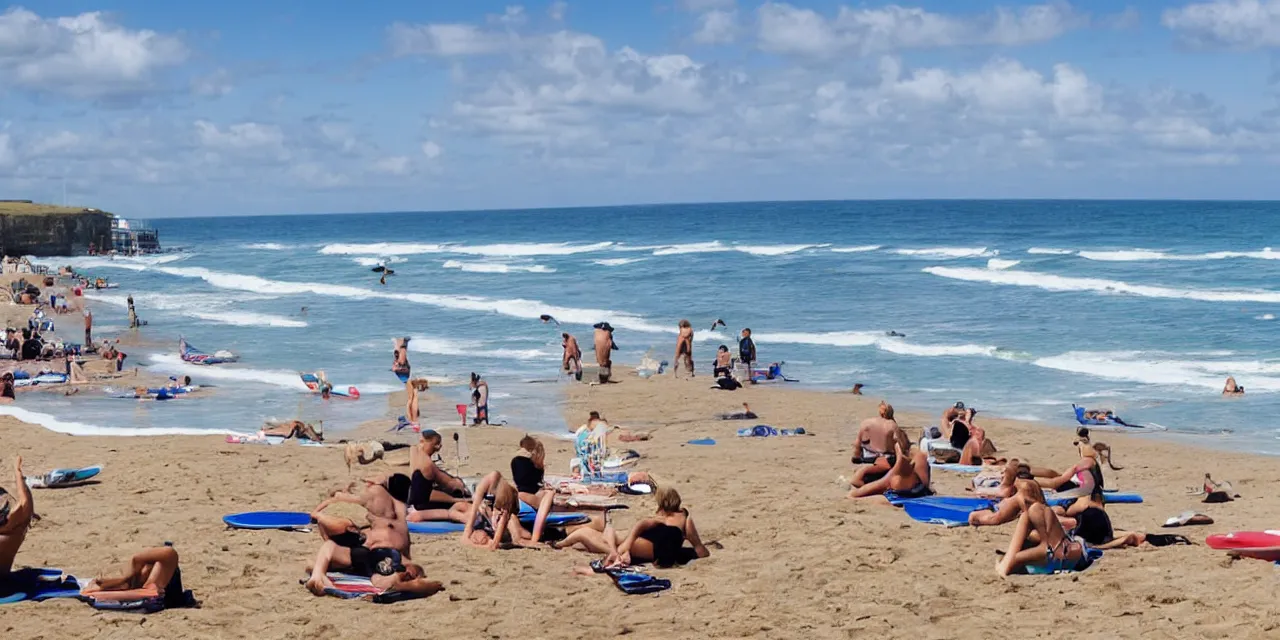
(705, 442)
(268, 520)
(950, 516)
(37, 585)
(433, 527)
(555, 519)
(976, 502)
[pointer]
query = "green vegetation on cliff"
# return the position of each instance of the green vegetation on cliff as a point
(11, 208)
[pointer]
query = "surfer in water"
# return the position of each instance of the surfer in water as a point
(684, 349)
(571, 359)
(1231, 388)
(717, 323)
(546, 318)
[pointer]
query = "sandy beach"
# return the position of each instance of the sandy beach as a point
(794, 558)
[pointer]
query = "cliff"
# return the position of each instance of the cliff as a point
(45, 230)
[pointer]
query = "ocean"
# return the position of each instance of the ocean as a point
(1019, 308)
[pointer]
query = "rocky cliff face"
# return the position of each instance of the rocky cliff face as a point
(60, 234)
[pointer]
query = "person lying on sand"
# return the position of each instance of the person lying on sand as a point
(907, 478)
(149, 574)
(424, 501)
(600, 429)
(745, 414)
(15, 518)
(659, 539)
(1052, 551)
(1231, 388)
(1025, 491)
(378, 499)
(294, 429)
(1085, 474)
(1087, 519)
(871, 448)
(381, 558)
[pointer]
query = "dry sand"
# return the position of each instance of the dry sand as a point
(799, 560)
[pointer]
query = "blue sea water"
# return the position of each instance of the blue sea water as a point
(1017, 307)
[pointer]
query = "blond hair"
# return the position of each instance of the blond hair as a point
(886, 410)
(505, 497)
(668, 499)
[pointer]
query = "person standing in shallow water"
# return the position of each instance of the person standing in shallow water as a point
(605, 346)
(684, 349)
(571, 359)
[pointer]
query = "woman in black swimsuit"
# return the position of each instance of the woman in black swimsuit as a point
(527, 470)
(659, 539)
(425, 501)
(1087, 519)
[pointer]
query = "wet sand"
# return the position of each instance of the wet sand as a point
(799, 560)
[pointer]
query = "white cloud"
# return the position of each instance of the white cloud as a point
(786, 29)
(212, 85)
(241, 136)
(84, 56)
(431, 150)
(445, 40)
(393, 165)
(54, 144)
(1241, 24)
(716, 27)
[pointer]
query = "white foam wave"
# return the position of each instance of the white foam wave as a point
(617, 262)
(1050, 282)
(52, 423)
(369, 261)
(496, 267)
(1266, 316)
(211, 308)
(1049, 252)
(714, 246)
(947, 252)
(859, 249)
(1138, 255)
(171, 363)
(516, 308)
(268, 246)
(1162, 369)
(996, 264)
(511, 250)
(378, 388)
(775, 249)
(474, 349)
(879, 341)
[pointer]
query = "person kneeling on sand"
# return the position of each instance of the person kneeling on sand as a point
(659, 539)
(425, 501)
(908, 478)
(294, 429)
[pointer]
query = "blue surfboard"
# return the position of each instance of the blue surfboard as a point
(555, 519)
(436, 527)
(268, 520)
(63, 477)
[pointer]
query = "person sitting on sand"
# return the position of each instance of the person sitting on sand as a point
(425, 503)
(659, 539)
(1053, 550)
(1087, 519)
(7, 395)
(1231, 388)
(871, 448)
(293, 429)
(571, 358)
(150, 573)
(724, 362)
(1023, 491)
(684, 349)
(907, 478)
(528, 468)
(15, 518)
(400, 359)
(1086, 474)
(954, 413)
(978, 446)
(412, 389)
(488, 527)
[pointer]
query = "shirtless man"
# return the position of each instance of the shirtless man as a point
(15, 519)
(378, 500)
(604, 350)
(400, 362)
(571, 360)
(684, 349)
(874, 445)
(380, 558)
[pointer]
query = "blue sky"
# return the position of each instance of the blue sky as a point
(160, 109)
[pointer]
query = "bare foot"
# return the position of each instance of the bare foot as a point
(317, 587)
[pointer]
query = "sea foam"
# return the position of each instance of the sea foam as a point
(1050, 282)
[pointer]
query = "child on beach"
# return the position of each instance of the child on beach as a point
(724, 362)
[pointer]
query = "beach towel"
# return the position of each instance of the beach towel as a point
(349, 587)
(37, 584)
(630, 580)
(758, 431)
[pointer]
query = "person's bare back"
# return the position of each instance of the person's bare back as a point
(14, 523)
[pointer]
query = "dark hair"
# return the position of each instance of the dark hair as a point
(564, 335)
(431, 434)
(747, 329)
(398, 486)
(723, 348)
(1082, 432)
(475, 377)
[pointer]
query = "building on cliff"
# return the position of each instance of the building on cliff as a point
(30, 228)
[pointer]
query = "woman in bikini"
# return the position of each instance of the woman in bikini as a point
(412, 389)
(527, 469)
(400, 359)
(1087, 519)
(1087, 473)
(659, 539)
(908, 478)
(1053, 549)
(489, 527)
(1018, 495)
